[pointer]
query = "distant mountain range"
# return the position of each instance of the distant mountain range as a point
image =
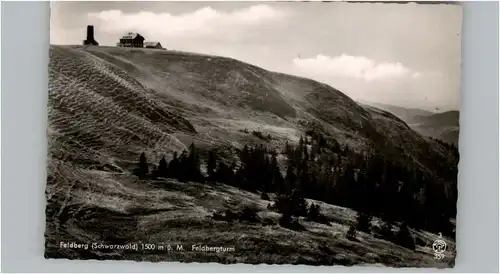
(443, 126)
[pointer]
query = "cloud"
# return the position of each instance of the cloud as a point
(357, 67)
(201, 22)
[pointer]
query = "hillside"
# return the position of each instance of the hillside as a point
(108, 105)
(443, 126)
(157, 98)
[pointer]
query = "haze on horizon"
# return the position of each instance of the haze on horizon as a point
(406, 55)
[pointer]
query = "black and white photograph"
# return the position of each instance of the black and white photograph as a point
(280, 133)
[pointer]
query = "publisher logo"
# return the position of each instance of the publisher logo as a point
(439, 247)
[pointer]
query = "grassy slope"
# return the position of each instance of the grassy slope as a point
(106, 105)
(176, 213)
(221, 96)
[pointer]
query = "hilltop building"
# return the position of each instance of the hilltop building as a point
(131, 40)
(152, 45)
(90, 37)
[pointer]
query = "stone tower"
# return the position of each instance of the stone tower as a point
(90, 37)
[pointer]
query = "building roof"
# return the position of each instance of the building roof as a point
(131, 35)
(151, 43)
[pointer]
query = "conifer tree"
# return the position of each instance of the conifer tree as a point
(306, 154)
(322, 142)
(363, 221)
(142, 170)
(313, 213)
(163, 168)
(299, 203)
(224, 174)
(245, 154)
(211, 165)
(304, 178)
(173, 167)
(404, 237)
(239, 178)
(314, 150)
(233, 167)
(289, 179)
(154, 173)
(267, 174)
(288, 150)
(183, 170)
(193, 171)
(276, 177)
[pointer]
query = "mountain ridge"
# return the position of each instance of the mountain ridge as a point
(219, 97)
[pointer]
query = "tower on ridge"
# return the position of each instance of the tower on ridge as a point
(90, 37)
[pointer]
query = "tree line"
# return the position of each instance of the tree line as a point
(321, 169)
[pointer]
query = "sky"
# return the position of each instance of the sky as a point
(406, 55)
